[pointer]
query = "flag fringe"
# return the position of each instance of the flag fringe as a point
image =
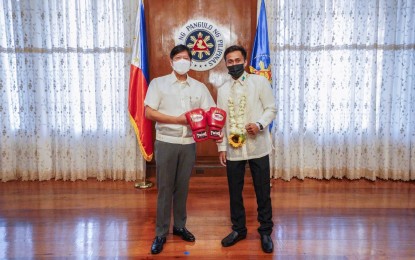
(147, 157)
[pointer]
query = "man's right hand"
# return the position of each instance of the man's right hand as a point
(196, 119)
(181, 120)
(222, 158)
(159, 117)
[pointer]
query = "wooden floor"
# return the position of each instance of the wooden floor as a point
(336, 219)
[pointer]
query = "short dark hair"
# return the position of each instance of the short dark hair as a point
(235, 48)
(179, 48)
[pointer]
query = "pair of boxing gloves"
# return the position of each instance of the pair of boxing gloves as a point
(198, 119)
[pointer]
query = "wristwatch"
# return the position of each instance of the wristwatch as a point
(260, 126)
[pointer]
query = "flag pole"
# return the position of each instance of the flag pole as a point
(139, 79)
(145, 184)
(260, 62)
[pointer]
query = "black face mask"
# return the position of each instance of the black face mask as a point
(236, 70)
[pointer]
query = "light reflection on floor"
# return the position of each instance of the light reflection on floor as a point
(79, 237)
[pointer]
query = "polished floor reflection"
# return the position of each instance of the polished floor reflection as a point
(336, 219)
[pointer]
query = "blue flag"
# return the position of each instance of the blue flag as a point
(260, 58)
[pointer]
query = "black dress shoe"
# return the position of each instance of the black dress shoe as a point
(184, 233)
(157, 245)
(266, 244)
(232, 238)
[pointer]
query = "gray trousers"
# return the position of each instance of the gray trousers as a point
(174, 163)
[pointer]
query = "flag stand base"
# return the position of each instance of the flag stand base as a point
(143, 185)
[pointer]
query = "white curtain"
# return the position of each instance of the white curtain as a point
(64, 73)
(344, 82)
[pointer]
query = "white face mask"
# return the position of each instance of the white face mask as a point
(181, 66)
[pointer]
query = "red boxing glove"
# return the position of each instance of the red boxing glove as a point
(196, 118)
(216, 119)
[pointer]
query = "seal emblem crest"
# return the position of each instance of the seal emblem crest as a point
(205, 42)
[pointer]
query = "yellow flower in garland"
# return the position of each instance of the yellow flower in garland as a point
(236, 140)
(237, 130)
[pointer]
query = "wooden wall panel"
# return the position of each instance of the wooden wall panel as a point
(235, 18)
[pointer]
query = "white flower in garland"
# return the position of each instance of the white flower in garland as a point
(237, 130)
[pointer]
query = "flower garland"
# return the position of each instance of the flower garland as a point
(237, 130)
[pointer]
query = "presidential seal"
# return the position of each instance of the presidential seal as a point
(205, 41)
